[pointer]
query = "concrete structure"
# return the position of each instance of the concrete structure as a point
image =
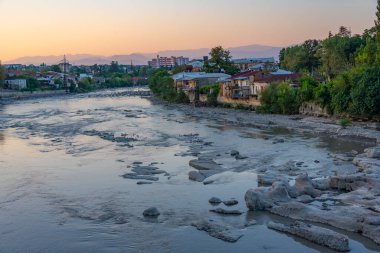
(16, 84)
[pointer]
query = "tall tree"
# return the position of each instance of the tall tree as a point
(377, 25)
(220, 61)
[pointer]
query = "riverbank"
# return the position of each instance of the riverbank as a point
(367, 132)
(7, 97)
(314, 196)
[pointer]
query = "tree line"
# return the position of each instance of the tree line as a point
(341, 74)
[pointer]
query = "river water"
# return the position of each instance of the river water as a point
(61, 188)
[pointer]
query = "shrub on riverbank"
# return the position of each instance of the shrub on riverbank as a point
(279, 98)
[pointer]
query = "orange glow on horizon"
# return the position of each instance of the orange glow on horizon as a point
(100, 27)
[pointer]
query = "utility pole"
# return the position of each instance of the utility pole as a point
(65, 85)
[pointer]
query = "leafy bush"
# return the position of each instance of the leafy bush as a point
(280, 98)
(345, 122)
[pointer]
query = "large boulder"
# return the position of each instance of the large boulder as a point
(304, 186)
(196, 176)
(218, 231)
(318, 235)
(258, 200)
(279, 191)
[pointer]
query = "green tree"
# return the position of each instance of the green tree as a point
(337, 53)
(365, 94)
(366, 55)
(55, 68)
(377, 25)
(86, 85)
(220, 61)
(114, 67)
(280, 98)
(341, 97)
(322, 96)
(32, 83)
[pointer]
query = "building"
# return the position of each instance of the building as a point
(191, 82)
(194, 80)
(253, 63)
(65, 66)
(16, 84)
(84, 75)
(246, 87)
(181, 61)
(168, 62)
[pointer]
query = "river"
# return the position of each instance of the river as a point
(62, 190)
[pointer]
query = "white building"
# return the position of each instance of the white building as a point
(82, 76)
(16, 84)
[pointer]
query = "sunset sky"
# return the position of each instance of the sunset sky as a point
(107, 27)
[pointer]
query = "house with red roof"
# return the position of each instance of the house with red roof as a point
(246, 87)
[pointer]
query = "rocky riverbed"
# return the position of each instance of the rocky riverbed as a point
(114, 171)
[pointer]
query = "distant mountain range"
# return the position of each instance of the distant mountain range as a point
(143, 58)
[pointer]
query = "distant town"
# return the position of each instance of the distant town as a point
(252, 76)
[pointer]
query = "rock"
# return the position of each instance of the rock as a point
(240, 157)
(373, 220)
(304, 185)
(218, 231)
(305, 199)
(235, 153)
(348, 183)
(257, 200)
(215, 201)
(208, 182)
(267, 179)
(289, 167)
(196, 176)
(151, 212)
(143, 182)
(231, 202)
(250, 223)
(318, 235)
(204, 164)
(276, 141)
(135, 176)
(347, 157)
(322, 184)
(369, 165)
(147, 170)
(226, 212)
(373, 152)
(279, 192)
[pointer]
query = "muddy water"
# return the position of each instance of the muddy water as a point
(61, 189)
